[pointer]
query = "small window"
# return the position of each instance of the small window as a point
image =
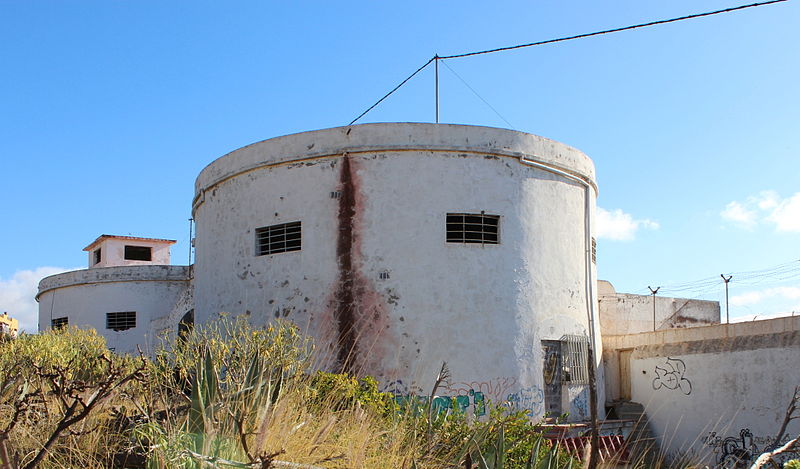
(121, 321)
(138, 253)
(278, 238)
(473, 228)
(594, 250)
(98, 256)
(59, 323)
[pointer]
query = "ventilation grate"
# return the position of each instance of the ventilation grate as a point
(121, 321)
(278, 238)
(473, 228)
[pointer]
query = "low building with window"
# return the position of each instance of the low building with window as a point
(127, 289)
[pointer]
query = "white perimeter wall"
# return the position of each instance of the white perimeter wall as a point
(705, 385)
(625, 313)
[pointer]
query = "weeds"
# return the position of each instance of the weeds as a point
(229, 395)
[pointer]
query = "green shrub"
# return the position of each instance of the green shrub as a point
(341, 391)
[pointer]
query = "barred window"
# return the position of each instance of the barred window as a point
(575, 358)
(473, 228)
(278, 238)
(121, 321)
(59, 323)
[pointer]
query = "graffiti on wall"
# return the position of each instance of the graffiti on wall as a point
(670, 375)
(529, 400)
(471, 398)
(742, 450)
(580, 404)
(495, 389)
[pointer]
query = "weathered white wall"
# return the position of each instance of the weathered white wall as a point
(113, 253)
(704, 385)
(85, 296)
(482, 309)
(625, 313)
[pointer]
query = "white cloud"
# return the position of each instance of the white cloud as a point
(766, 206)
(737, 213)
(17, 295)
(620, 226)
(749, 298)
(786, 214)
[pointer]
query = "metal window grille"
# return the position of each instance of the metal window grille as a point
(138, 253)
(575, 361)
(278, 238)
(473, 228)
(58, 323)
(121, 321)
(594, 250)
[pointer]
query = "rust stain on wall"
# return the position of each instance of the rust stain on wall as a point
(345, 295)
(358, 309)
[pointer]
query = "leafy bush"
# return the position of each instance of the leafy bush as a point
(342, 391)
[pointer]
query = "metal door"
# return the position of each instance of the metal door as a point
(552, 377)
(625, 374)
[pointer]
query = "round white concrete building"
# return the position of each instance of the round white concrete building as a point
(402, 246)
(129, 294)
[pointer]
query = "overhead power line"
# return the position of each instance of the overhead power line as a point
(561, 39)
(615, 30)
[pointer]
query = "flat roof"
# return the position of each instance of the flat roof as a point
(104, 237)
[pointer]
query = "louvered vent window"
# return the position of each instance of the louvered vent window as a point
(59, 323)
(594, 250)
(473, 228)
(575, 353)
(278, 238)
(121, 321)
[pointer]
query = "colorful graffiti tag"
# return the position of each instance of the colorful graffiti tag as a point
(471, 398)
(474, 403)
(669, 375)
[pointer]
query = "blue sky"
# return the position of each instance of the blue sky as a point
(111, 109)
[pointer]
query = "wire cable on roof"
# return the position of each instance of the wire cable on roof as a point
(479, 96)
(562, 39)
(615, 30)
(397, 88)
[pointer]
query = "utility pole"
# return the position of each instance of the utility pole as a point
(191, 242)
(653, 292)
(727, 311)
(436, 84)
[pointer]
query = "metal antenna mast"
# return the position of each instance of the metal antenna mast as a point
(727, 311)
(436, 68)
(654, 304)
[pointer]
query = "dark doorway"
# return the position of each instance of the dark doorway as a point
(552, 377)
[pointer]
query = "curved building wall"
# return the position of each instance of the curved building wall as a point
(86, 298)
(375, 280)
